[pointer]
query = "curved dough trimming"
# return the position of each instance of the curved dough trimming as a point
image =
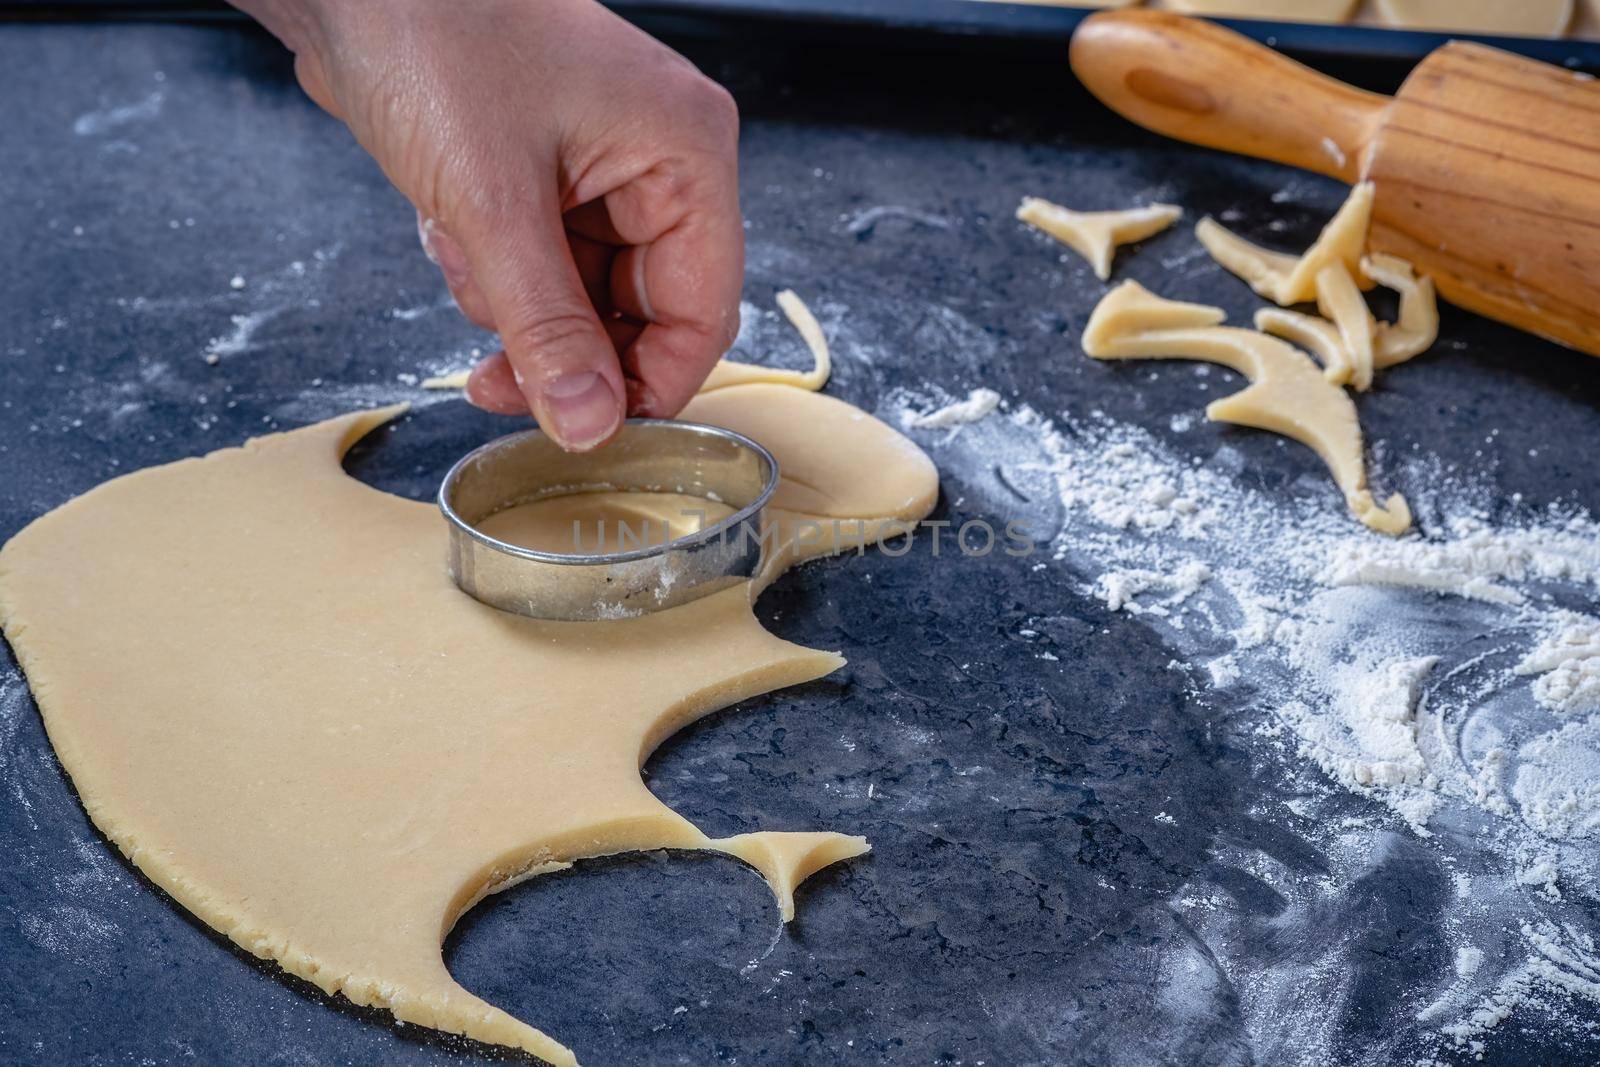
(728, 372)
(1287, 393)
(1543, 18)
(1417, 324)
(1414, 332)
(1341, 303)
(1311, 332)
(1095, 235)
(1286, 279)
(1332, 272)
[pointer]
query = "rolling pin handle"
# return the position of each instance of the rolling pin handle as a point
(1201, 83)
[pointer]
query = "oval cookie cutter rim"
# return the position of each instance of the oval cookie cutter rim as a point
(579, 586)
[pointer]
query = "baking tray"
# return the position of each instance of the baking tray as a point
(965, 892)
(925, 21)
(1049, 22)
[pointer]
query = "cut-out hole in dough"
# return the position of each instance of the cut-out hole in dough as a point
(602, 521)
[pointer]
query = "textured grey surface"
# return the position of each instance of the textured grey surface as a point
(1016, 908)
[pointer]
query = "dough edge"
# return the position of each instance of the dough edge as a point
(783, 859)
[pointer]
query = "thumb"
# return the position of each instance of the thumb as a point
(561, 357)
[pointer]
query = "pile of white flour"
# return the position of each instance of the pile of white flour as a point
(1451, 676)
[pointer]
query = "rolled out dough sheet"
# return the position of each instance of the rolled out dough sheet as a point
(272, 698)
(578, 523)
(1291, 10)
(1532, 18)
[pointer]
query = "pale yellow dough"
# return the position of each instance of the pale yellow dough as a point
(272, 698)
(1349, 342)
(1530, 18)
(1384, 343)
(1095, 235)
(594, 522)
(1287, 393)
(1312, 333)
(1341, 303)
(794, 309)
(728, 372)
(1390, 342)
(453, 380)
(1291, 10)
(1418, 322)
(1286, 279)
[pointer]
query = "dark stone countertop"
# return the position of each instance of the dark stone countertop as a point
(1016, 907)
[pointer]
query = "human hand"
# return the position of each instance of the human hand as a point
(575, 180)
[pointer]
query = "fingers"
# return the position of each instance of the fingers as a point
(593, 260)
(443, 250)
(685, 286)
(683, 270)
(493, 387)
(560, 357)
(651, 269)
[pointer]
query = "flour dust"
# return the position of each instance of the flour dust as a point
(1450, 678)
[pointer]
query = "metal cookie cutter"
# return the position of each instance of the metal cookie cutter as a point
(648, 455)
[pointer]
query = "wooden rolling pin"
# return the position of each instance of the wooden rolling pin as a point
(1486, 166)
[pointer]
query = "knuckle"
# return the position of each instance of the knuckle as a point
(669, 181)
(726, 330)
(719, 109)
(709, 109)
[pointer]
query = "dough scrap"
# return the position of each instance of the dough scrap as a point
(453, 380)
(787, 859)
(1312, 333)
(730, 372)
(1287, 393)
(362, 752)
(1542, 18)
(1417, 325)
(1391, 342)
(1341, 303)
(1290, 10)
(1286, 279)
(1336, 271)
(1095, 235)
